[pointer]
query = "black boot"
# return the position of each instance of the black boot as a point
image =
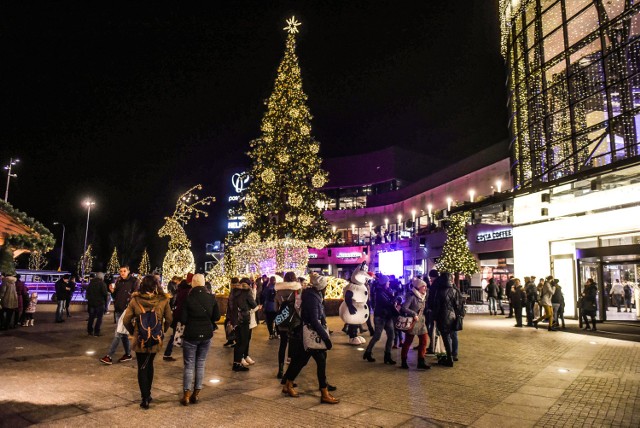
(387, 358)
(447, 362)
(367, 356)
(422, 365)
(404, 365)
(280, 368)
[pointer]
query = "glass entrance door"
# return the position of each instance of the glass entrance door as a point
(622, 292)
(590, 268)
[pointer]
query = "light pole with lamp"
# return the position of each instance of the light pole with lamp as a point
(61, 244)
(12, 162)
(88, 203)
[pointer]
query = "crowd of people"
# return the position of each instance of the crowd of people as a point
(429, 308)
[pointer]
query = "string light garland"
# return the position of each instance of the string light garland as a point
(37, 260)
(145, 265)
(179, 259)
(114, 263)
(88, 261)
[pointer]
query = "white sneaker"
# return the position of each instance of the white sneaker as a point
(354, 341)
(244, 363)
(361, 339)
(249, 360)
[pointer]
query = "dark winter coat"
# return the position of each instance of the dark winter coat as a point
(62, 290)
(589, 299)
(200, 312)
(72, 289)
(558, 297)
(531, 291)
(268, 298)
(518, 298)
(446, 305)
(385, 303)
(23, 294)
(492, 290)
(181, 296)
(149, 301)
(122, 292)
(97, 293)
(8, 296)
(241, 302)
(312, 312)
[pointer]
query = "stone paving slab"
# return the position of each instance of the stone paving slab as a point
(50, 376)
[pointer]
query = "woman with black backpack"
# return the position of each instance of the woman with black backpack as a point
(199, 315)
(286, 294)
(150, 309)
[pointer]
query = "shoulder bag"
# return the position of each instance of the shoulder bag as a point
(311, 339)
(404, 323)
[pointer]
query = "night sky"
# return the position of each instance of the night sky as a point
(133, 104)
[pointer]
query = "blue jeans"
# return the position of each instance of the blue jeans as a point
(454, 343)
(124, 338)
(60, 310)
(194, 353)
(386, 325)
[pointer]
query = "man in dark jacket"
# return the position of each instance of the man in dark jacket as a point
(62, 291)
(383, 319)
(96, 300)
(121, 293)
(531, 291)
(508, 288)
(518, 299)
(241, 302)
(433, 275)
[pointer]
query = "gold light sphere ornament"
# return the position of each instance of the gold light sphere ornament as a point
(295, 200)
(292, 25)
(289, 217)
(305, 219)
(315, 148)
(318, 180)
(267, 127)
(268, 139)
(294, 112)
(304, 130)
(268, 176)
(252, 238)
(283, 157)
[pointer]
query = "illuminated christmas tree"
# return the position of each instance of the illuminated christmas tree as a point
(456, 257)
(179, 259)
(282, 201)
(37, 261)
(114, 263)
(145, 265)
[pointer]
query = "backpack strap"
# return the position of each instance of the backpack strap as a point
(141, 307)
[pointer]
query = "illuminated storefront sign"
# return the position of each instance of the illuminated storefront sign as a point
(312, 256)
(349, 255)
(494, 236)
(239, 182)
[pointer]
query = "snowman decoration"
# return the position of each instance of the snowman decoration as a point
(354, 310)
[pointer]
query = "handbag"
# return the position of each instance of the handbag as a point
(311, 339)
(121, 329)
(459, 319)
(229, 331)
(405, 323)
(438, 343)
(178, 332)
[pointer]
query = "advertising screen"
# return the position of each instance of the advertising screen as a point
(391, 263)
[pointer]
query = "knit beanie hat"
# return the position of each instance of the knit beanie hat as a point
(197, 280)
(417, 283)
(319, 282)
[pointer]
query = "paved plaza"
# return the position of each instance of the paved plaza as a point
(50, 376)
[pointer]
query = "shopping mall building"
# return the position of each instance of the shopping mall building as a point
(387, 208)
(575, 102)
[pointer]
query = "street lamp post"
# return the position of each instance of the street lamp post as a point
(62, 244)
(88, 203)
(12, 162)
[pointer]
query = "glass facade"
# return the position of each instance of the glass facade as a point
(574, 85)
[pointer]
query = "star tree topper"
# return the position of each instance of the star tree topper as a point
(292, 25)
